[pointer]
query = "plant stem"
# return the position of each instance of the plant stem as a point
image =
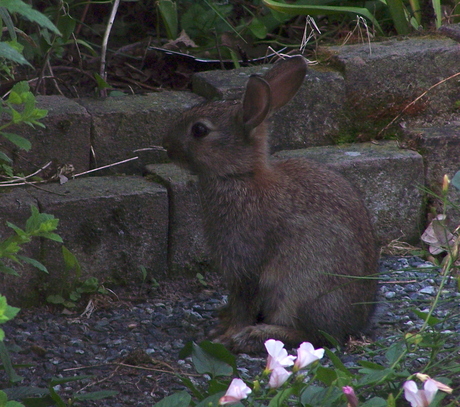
(105, 41)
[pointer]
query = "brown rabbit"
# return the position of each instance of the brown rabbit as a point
(292, 238)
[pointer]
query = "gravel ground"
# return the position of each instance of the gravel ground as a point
(129, 342)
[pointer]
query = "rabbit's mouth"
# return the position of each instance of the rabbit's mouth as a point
(180, 158)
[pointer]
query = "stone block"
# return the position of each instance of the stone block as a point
(389, 178)
(113, 225)
(440, 148)
(383, 78)
(121, 125)
(187, 252)
(312, 118)
(64, 140)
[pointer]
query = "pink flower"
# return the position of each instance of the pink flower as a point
(236, 391)
(351, 396)
(420, 398)
(307, 354)
(278, 376)
(277, 355)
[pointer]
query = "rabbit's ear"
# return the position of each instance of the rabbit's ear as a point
(285, 79)
(256, 102)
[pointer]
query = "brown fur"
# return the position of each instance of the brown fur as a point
(292, 238)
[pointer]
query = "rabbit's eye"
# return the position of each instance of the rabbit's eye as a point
(199, 130)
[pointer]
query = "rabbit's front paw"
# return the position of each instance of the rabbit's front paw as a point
(248, 340)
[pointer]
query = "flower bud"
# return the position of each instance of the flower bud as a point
(445, 183)
(351, 396)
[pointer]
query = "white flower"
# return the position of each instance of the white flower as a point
(277, 355)
(420, 398)
(278, 376)
(307, 354)
(236, 391)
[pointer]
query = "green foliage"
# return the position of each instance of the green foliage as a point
(11, 51)
(6, 314)
(18, 108)
(39, 225)
(89, 286)
(324, 9)
(168, 12)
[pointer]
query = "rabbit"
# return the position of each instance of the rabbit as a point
(292, 238)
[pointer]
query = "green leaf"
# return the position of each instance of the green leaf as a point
(282, 395)
(394, 353)
(456, 180)
(101, 83)
(52, 236)
(8, 270)
(216, 386)
(375, 376)
(70, 261)
(19, 141)
(191, 386)
(14, 97)
(3, 398)
(66, 25)
(9, 53)
(5, 16)
(375, 402)
(398, 14)
(258, 29)
(7, 365)
(391, 402)
(96, 395)
(20, 88)
(326, 375)
(430, 320)
(206, 363)
(168, 12)
(5, 158)
(59, 402)
(181, 399)
(16, 116)
(18, 231)
(333, 341)
(318, 396)
(337, 362)
(370, 365)
(7, 312)
(213, 400)
(55, 299)
(18, 6)
(42, 224)
(220, 352)
(34, 263)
